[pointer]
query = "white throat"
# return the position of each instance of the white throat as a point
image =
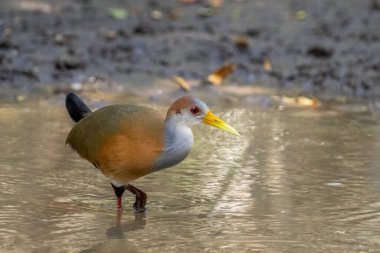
(178, 143)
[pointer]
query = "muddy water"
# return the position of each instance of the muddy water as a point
(296, 181)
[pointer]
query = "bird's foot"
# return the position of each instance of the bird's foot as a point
(138, 209)
(141, 197)
(139, 205)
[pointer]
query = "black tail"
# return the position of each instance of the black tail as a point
(76, 108)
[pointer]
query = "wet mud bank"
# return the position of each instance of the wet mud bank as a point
(313, 47)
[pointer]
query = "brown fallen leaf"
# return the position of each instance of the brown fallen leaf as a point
(313, 102)
(301, 101)
(219, 75)
(215, 3)
(267, 65)
(182, 83)
(244, 91)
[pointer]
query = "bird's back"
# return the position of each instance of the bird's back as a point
(121, 140)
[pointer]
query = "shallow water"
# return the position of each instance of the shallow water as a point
(297, 180)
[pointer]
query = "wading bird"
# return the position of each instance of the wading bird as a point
(126, 142)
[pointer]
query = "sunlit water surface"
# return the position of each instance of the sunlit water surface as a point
(296, 180)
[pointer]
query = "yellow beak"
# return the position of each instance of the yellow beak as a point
(213, 120)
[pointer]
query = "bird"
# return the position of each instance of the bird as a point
(126, 142)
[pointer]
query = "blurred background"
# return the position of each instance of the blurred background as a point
(325, 49)
(299, 79)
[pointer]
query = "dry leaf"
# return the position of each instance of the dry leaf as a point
(215, 3)
(302, 101)
(219, 75)
(313, 102)
(182, 83)
(267, 65)
(288, 100)
(243, 91)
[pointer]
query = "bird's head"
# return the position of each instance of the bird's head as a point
(188, 110)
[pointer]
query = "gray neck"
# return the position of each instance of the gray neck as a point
(178, 143)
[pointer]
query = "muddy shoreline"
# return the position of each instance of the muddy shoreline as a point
(314, 47)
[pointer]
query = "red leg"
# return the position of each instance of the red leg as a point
(118, 203)
(119, 193)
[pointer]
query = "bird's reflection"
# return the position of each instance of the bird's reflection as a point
(117, 231)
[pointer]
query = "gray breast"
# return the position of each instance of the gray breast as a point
(178, 143)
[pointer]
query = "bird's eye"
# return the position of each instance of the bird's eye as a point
(194, 110)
